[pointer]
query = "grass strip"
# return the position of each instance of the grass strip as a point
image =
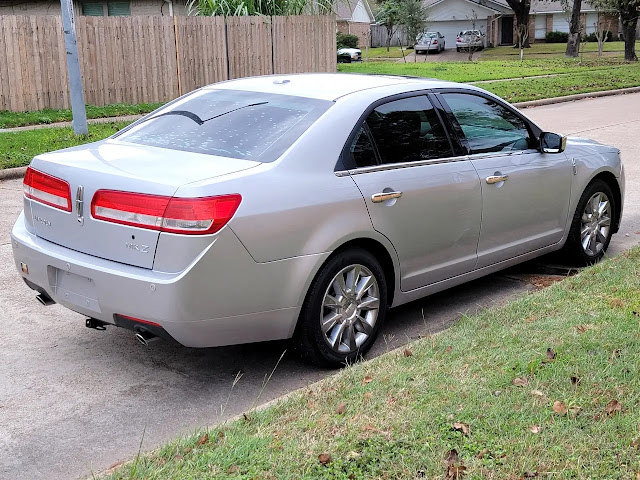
(18, 148)
(546, 387)
(20, 119)
(490, 69)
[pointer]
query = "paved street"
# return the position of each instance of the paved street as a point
(74, 400)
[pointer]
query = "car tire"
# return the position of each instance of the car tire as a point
(348, 331)
(591, 231)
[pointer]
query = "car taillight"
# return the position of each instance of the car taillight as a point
(47, 189)
(167, 214)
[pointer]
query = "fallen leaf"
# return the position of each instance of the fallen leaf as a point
(551, 355)
(233, 469)
(559, 407)
(461, 427)
(246, 417)
(635, 443)
(584, 328)
(452, 456)
(574, 410)
(341, 408)
(448, 349)
(455, 472)
(324, 458)
(351, 455)
(615, 354)
(612, 407)
(367, 379)
(187, 450)
(497, 393)
(482, 453)
(537, 393)
(535, 429)
(407, 352)
(203, 439)
(520, 381)
(616, 302)
(530, 474)
(575, 380)
(220, 435)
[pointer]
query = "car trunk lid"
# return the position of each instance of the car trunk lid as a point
(113, 165)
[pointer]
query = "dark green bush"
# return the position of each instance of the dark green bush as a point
(592, 37)
(344, 40)
(557, 37)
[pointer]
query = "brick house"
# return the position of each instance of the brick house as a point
(355, 17)
(94, 7)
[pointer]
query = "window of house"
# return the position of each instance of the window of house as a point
(408, 130)
(112, 9)
(487, 125)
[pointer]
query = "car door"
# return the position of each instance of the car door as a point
(424, 199)
(525, 193)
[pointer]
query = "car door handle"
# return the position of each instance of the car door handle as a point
(384, 196)
(497, 179)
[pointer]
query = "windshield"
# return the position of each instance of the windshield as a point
(428, 35)
(229, 123)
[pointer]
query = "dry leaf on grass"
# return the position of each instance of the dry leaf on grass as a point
(452, 457)
(220, 435)
(341, 408)
(407, 352)
(448, 349)
(616, 302)
(551, 355)
(233, 469)
(537, 393)
(612, 407)
(530, 474)
(324, 458)
(203, 439)
(461, 427)
(584, 328)
(455, 472)
(559, 407)
(520, 381)
(367, 379)
(535, 429)
(615, 354)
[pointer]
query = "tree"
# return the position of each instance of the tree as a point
(575, 30)
(413, 17)
(603, 30)
(521, 10)
(628, 11)
(389, 17)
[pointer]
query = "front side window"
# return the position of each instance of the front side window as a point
(229, 123)
(487, 125)
(408, 130)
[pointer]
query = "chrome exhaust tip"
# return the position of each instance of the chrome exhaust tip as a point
(145, 338)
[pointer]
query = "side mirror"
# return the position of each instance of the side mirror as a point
(552, 142)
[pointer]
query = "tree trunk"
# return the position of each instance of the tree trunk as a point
(575, 29)
(629, 18)
(521, 10)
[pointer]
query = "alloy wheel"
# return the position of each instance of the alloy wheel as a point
(350, 309)
(596, 224)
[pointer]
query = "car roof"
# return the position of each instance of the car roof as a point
(324, 86)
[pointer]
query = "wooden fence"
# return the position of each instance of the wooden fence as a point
(379, 37)
(153, 58)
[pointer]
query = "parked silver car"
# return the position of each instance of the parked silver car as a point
(429, 42)
(304, 206)
(469, 39)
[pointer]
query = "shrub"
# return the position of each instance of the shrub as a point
(557, 37)
(344, 40)
(592, 37)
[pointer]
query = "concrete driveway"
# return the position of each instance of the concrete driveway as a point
(74, 400)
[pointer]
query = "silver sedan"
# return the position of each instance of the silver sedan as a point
(303, 207)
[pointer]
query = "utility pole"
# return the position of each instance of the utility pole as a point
(78, 109)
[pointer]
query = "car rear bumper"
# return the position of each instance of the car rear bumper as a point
(223, 297)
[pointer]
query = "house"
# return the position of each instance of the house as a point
(94, 7)
(355, 17)
(496, 20)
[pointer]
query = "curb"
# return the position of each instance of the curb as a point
(12, 173)
(577, 96)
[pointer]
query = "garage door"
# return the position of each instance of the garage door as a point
(450, 29)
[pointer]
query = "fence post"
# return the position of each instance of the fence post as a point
(176, 38)
(78, 108)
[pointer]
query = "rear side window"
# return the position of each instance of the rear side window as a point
(408, 130)
(229, 123)
(487, 125)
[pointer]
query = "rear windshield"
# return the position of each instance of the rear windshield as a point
(229, 123)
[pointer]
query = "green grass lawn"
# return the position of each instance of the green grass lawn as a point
(18, 148)
(546, 386)
(19, 119)
(553, 49)
(381, 52)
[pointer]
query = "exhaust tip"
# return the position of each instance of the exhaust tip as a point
(45, 299)
(145, 338)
